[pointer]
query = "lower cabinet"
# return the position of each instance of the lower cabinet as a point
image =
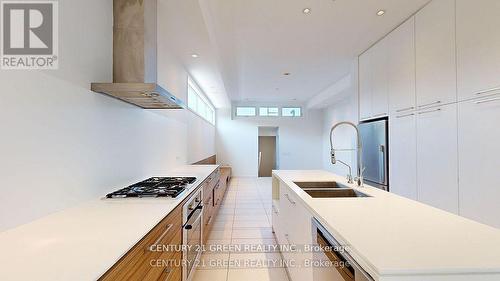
(403, 155)
(143, 262)
(293, 230)
(479, 161)
(214, 190)
(437, 157)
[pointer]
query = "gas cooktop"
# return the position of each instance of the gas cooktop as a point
(155, 187)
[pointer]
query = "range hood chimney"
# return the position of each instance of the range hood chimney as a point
(134, 57)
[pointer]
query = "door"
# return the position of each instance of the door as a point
(401, 68)
(380, 100)
(365, 86)
(267, 155)
(479, 150)
(435, 53)
(403, 154)
(374, 153)
(437, 157)
(478, 47)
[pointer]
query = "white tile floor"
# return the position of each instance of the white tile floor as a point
(244, 219)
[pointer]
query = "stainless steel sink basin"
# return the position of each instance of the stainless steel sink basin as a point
(335, 193)
(319, 184)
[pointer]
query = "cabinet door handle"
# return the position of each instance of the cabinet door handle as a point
(430, 111)
(429, 104)
(290, 200)
(275, 210)
(405, 115)
(162, 235)
(405, 109)
(487, 91)
(209, 220)
(486, 101)
(381, 114)
(169, 272)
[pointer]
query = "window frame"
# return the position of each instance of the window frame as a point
(267, 110)
(254, 111)
(208, 112)
(292, 107)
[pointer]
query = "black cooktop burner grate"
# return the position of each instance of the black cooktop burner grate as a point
(155, 187)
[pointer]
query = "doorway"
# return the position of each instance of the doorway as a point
(268, 151)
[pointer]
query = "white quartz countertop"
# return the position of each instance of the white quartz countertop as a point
(389, 235)
(83, 242)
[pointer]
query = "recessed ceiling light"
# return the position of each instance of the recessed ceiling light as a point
(194, 55)
(306, 11)
(380, 12)
(286, 73)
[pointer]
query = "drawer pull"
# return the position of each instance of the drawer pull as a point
(486, 101)
(405, 115)
(429, 104)
(290, 200)
(169, 272)
(487, 91)
(209, 220)
(381, 114)
(430, 111)
(163, 234)
(405, 109)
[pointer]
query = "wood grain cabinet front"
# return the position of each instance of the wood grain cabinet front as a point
(156, 257)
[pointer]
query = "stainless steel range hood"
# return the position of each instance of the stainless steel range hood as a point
(134, 57)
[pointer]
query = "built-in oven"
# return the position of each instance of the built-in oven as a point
(192, 234)
(335, 262)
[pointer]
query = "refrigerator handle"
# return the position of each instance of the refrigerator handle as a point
(383, 161)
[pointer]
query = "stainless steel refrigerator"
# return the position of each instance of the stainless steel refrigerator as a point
(374, 137)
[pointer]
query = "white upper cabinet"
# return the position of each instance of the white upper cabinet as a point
(365, 88)
(373, 98)
(401, 67)
(478, 47)
(435, 53)
(479, 150)
(380, 100)
(437, 157)
(403, 155)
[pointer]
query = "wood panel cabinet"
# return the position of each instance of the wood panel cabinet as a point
(479, 150)
(143, 262)
(435, 53)
(401, 68)
(437, 157)
(403, 155)
(478, 47)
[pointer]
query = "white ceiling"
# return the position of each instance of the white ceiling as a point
(245, 46)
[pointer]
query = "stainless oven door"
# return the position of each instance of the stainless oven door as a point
(192, 241)
(342, 266)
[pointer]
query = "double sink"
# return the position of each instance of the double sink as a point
(329, 189)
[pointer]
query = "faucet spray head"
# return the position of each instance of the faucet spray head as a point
(332, 154)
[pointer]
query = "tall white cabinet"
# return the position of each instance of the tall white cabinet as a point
(478, 47)
(437, 158)
(479, 150)
(442, 76)
(435, 54)
(403, 155)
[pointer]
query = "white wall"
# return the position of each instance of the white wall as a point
(343, 107)
(299, 141)
(61, 144)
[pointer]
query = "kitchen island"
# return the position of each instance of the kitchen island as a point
(84, 242)
(392, 238)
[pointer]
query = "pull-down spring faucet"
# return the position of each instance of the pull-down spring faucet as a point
(359, 177)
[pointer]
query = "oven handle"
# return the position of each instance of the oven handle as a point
(192, 219)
